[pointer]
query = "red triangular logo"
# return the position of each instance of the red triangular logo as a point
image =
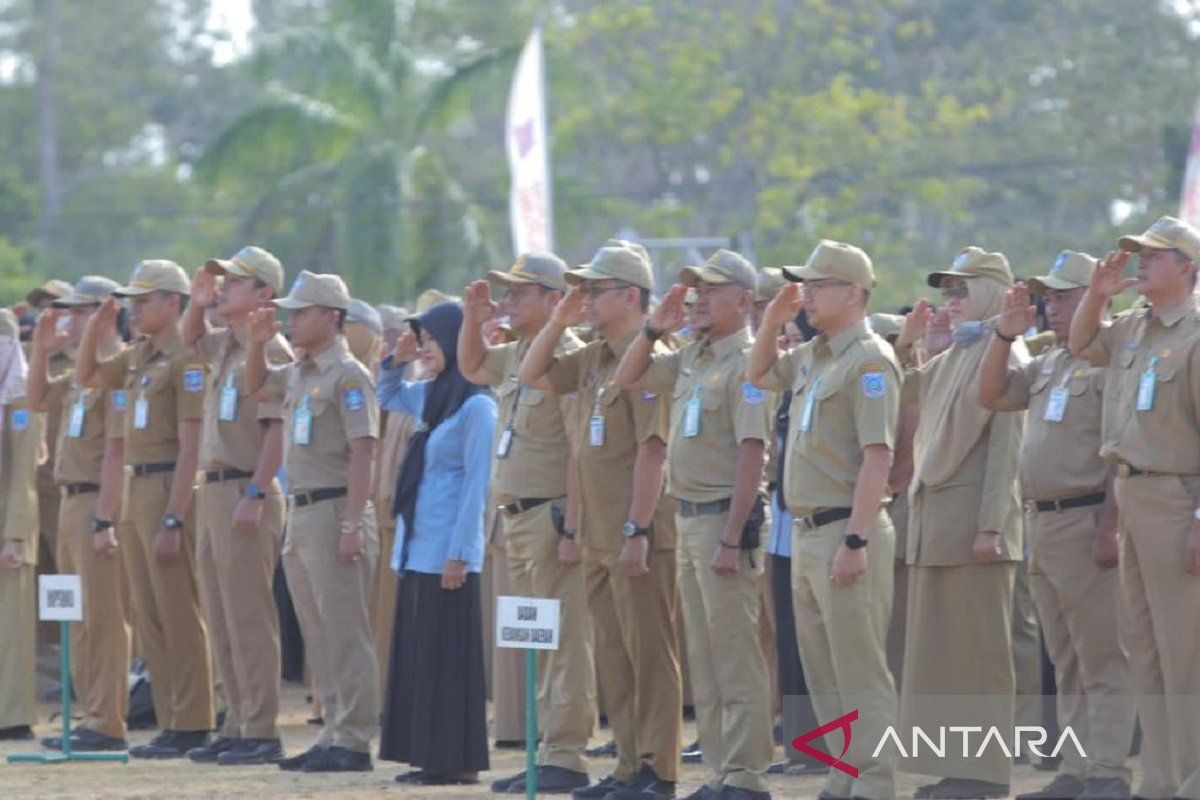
(843, 722)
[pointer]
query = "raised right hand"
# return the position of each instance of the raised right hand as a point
(204, 288)
(784, 306)
(477, 302)
(1017, 314)
(1106, 275)
(668, 316)
(263, 325)
(915, 324)
(406, 347)
(46, 334)
(570, 312)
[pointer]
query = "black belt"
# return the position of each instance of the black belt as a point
(814, 521)
(303, 499)
(1130, 471)
(81, 488)
(690, 509)
(523, 504)
(141, 470)
(218, 475)
(1093, 499)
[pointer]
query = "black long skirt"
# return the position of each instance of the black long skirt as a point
(434, 712)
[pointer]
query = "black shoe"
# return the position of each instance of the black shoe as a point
(550, 780)
(248, 752)
(795, 768)
(692, 753)
(599, 790)
(824, 795)
(338, 759)
(318, 721)
(296, 763)
(170, 744)
(606, 750)
(86, 740)
(499, 786)
(705, 792)
(962, 789)
(1105, 789)
(1063, 787)
(510, 744)
(209, 752)
(645, 785)
(1047, 763)
(738, 793)
(16, 733)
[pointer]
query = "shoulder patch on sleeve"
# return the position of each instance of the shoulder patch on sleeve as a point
(752, 395)
(118, 399)
(353, 397)
(874, 385)
(20, 419)
(193, 379)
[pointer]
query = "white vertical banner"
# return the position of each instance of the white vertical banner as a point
(530, 210)
(1189, 201)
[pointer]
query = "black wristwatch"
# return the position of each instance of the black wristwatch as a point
(254, 492)
(651, 334)
(630, 529)
(101, 525)
(172, 522)
(855, 542)
(567, 534)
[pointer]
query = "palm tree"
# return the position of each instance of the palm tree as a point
(338, 151)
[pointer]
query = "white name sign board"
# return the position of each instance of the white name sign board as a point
(60, 598)
(527, 623)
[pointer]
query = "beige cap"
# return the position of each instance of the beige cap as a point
(430, 298)
(312, 289)
(1071, 270)
(89, 290)
(392, 317)
(616, 263)
(770, 281)
(544, 269)
(628, 245)
(364, 314)
(837, 261)
(8, 324)
(1167, 233)
(156, 275)
(975, 262)
(886, 324)
(50, 290)
(725, 266)
(250, 262)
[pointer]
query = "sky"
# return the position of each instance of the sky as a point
(236, 18)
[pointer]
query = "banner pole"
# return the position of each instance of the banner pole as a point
(531, 724)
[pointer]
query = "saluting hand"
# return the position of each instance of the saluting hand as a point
(1017, 314)
(105, 318)
(569, 311)
(1106, 275)
(46, 334)
(263, 325)
(915, 324)
(406, 348)
(669, 315)
(204, 288)
(783, 308)
(477, 304)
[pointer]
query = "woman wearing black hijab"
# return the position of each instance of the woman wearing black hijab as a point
(434, 711)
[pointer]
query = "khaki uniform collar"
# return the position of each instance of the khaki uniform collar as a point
(619, 347)
(838, 344)
(733, 343)
(170, 346)
(1170, 316)
(332, 355)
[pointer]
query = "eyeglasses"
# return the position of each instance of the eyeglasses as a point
(817, 285)
(957, 292)
(596, 291)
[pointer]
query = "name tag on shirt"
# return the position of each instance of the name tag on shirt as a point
(302, 424)
(596, 430)
(227, 408)
(691, 416)
(75, 424)
(141, 413)
(810, 406)
(1057, 407)
(1147, 386)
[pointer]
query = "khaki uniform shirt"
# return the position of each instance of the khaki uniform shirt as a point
(60, 364)
(172, 383)
(1059, 459)
(20, 445)
(341, 398)
(711, 378)
(236, 443)
(79, 459)
(1166, 437)
(630, 418)
(536, 421)
(848, 390)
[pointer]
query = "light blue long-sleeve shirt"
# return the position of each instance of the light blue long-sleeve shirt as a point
(448, 520)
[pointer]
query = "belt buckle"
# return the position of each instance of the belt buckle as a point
(804, 522)
(1123, 470)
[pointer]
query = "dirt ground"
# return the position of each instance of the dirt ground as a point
(182, 779)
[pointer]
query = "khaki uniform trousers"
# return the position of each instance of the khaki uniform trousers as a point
(958, 667)
(331, 598)
(898, 511)
(383, 595)
(1079, 604)
(842, 634)
(236, 573)
(166, 605)
(49, 494)
(731, 685)
(1163, 606)
(18, 644)
(636, 661)
(566, 686)
(100, 643)
(1026, 650)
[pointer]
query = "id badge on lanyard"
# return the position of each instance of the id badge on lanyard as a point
(1147, 385)
(691, 416)
(302, 423)
(596, 422)
(1056, 409)
(78, 417)
(227, 410)
(141, 412)
(810, 406)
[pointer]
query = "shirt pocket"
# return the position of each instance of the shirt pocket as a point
(1040, 383)
(528, 403)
